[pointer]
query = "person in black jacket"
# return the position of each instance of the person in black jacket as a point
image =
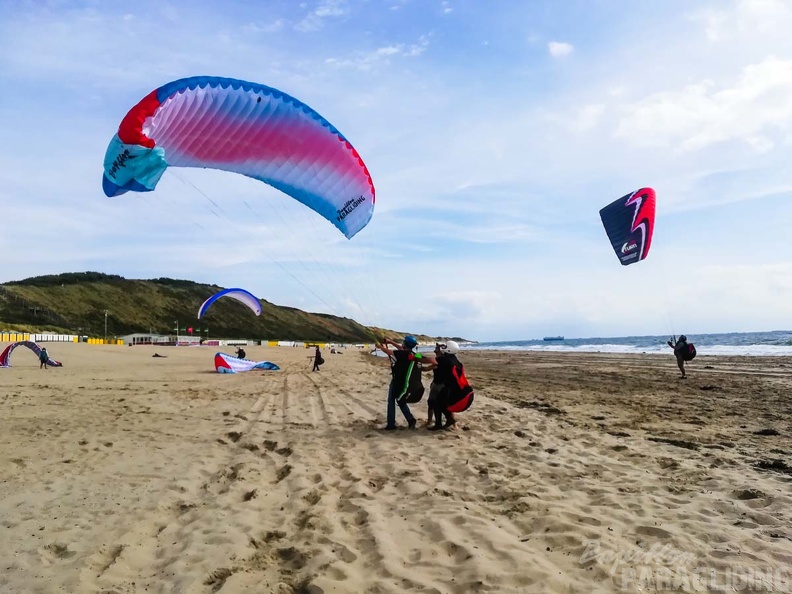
(442, 365)
(405, 369)
(680, 347)
(318, 360)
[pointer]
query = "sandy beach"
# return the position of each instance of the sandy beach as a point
(575, 473)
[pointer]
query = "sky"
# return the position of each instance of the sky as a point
(494, 132)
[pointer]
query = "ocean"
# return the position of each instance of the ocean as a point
(776, 343)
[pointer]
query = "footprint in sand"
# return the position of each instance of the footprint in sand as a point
(292, 557)
(56, 551)
(653, 531)
(313, 497)
(343, 553)
(218, 578)
(106, 557)
(283, 473)
(274, 535)
(285, 452)
(184, 507)
(459, 552)
(748, 494)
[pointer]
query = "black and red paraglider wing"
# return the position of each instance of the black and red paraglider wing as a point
(629, 223)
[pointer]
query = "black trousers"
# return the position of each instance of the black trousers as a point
(438, 402)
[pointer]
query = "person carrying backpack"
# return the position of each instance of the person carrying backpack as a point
(435, 388)
(683, 351)
(450, 391)
(43, 358)
(405, 385)
(318, 359)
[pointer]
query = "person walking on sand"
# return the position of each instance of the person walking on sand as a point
(43, 358)
(403, 362)
(318, 360)
(683, 351)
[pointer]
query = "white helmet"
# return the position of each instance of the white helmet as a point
(450, 347)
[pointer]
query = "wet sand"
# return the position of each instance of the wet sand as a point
(126, 473)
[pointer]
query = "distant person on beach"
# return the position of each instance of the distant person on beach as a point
(403, 365)
(43, 358)
(683, 351)
(240, 353)
(318, 360)
(442, 366)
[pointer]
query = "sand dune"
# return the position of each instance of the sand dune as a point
(126, 473)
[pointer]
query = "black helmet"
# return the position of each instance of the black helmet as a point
(683, 337)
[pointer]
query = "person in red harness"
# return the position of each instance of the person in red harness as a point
(443, 366)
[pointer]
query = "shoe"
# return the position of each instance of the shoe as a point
(389, 428)
(411, 424)
(435, 427)
(449, 425)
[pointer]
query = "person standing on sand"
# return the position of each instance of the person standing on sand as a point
(403, 361)
(680, 347)
(439, 393)
(43, 358)
(430, 364)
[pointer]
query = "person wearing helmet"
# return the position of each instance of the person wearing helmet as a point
(442, 366)
(680, 348)
(404, 362)
(435, 388)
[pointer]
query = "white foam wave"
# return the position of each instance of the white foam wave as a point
(753, 350)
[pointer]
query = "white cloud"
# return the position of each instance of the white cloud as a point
(266, 27)
(446, 7)
(560, 49)
(745, 17)
(704, 113)
(380, 56)
(579, 119)
(327, 9)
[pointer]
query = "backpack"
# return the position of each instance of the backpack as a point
(689, 353)
(413, 389)
(416, 389)
(460, 393)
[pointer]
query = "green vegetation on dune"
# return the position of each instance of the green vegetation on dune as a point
(76, 302)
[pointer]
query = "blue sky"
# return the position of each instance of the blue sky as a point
(494, 132)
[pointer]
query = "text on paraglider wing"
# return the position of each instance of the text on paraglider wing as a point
(628, 247)
(350, 205)
(118, 162)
